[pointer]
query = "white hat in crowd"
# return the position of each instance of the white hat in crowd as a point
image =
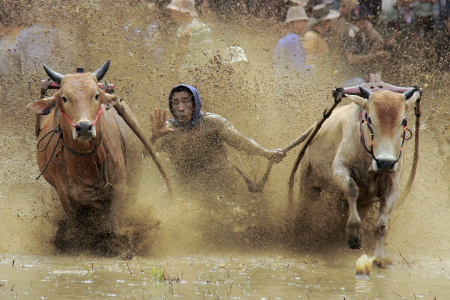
(301, 3)
(186, 6)
(322, 12)
(295, 13)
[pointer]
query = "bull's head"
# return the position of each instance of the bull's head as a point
(79, 100)
(385, 119)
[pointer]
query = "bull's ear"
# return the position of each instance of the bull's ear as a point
(43, 106)
(411, 101)
(361, 102)
(109, 100)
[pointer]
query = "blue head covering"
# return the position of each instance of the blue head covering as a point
(196, 114)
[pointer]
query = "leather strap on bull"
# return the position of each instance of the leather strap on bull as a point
(338, 93)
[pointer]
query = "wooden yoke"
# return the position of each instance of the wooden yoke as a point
(375, 84)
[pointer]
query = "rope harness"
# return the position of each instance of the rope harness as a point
(368, 122)
(61, 138)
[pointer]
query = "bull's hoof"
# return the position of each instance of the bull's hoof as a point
(354, 243)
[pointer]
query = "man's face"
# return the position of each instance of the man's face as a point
(180, 17)
(183, 106)
(343, 9)
(323, 26)
(299, 26)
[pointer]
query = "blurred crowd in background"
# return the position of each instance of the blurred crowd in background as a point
(366, 35)
(365, 32)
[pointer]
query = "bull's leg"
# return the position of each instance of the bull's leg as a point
(305, 219)
(390, 187)
(308, 195)
(343, 179)
(67, 204)
(354, 226)
(380, 229)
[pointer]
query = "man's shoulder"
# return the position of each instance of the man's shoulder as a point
(213, 120)
(289, 37)
(211, 117)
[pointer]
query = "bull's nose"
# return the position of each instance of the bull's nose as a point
(385, 164)
(84, 128)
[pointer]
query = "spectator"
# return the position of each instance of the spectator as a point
(374, 6)
(362, 45)
(323, 25)
(443, 49)
(194, 38)
(289, 55)
(418, 16)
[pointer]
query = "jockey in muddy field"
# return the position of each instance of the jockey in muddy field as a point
(195, 143)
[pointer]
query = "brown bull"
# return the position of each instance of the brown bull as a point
(94, 148)
(358, 152)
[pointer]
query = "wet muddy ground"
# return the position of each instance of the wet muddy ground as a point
(243, 249)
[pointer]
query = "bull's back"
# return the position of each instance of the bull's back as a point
(318, 160)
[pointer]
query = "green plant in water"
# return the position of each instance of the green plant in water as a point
(158, 277)
(87, 270)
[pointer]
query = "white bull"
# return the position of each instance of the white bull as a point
(358, 151)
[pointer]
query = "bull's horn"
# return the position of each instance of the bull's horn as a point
(408, 94)
(100, 72)
(365, 93)
(55, 76)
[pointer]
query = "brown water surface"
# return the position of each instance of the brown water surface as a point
(214, 277)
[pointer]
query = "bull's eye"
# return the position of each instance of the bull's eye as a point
(96, 96)
(64, 99)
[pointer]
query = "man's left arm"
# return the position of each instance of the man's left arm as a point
(239, 141)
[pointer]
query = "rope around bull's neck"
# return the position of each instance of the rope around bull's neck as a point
(60, 138)
(53, 132)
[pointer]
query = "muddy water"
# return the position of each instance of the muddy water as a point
(213, 277)
(242, 250)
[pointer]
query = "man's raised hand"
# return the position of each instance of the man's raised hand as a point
(158, 123)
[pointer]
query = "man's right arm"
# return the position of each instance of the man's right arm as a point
(158, 124)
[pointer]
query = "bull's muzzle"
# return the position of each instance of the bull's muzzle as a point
(84, 131)
(385, 165)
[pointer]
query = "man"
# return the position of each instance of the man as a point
(362, 46)
(316, 39)
(289, 55)
(194, 38)
(443, 49)
(195, 142)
